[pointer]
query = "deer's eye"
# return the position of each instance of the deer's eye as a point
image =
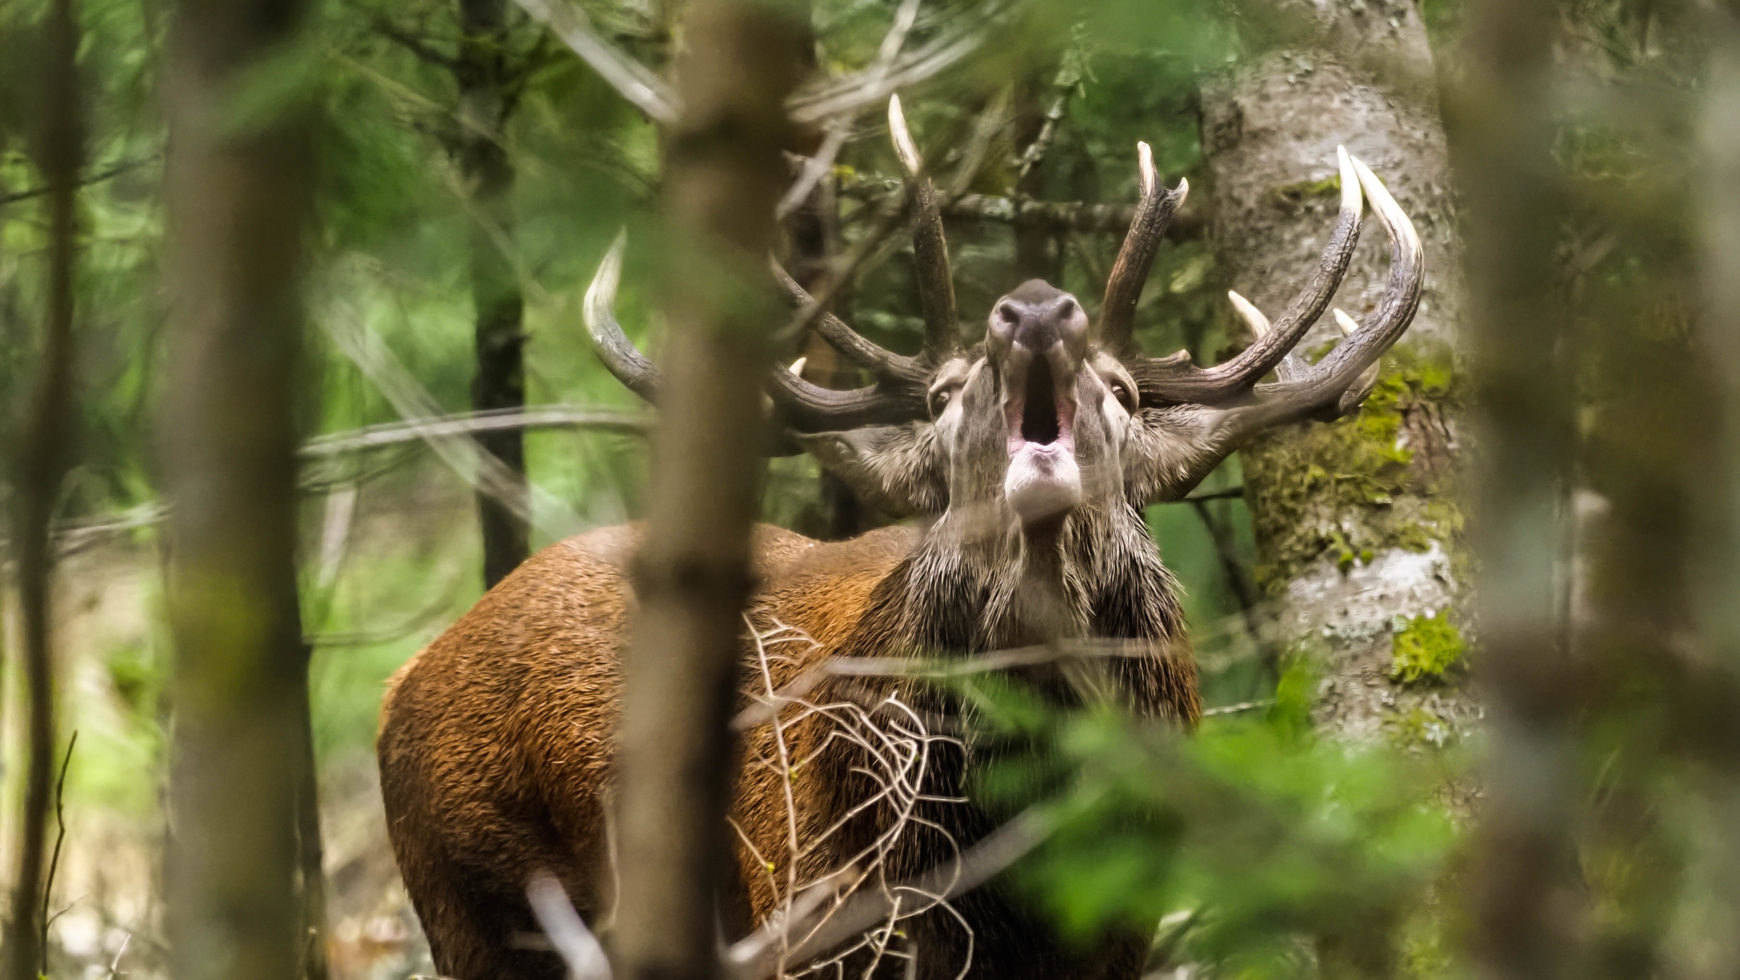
(940, 398)
(1122, 392)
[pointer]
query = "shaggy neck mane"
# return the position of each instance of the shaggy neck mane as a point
(970, 589)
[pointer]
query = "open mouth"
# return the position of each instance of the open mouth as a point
(1043, 481)
(1039, 415)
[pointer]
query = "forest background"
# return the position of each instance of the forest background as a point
(1469, 656)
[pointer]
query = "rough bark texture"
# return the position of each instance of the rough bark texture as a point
(500, 382)
(40, 467)
(1356, 522)
(238, 198)
(724, 174)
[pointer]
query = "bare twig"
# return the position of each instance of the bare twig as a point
(851, 93)
(842, 96)
(412, 43)
(59, 839)
(469, 460)
(1239, 708)
(433, 427)
(95, 177)
(1064, 85)
(840, 126)
(631, 79)
(751, 957)
(895, 742)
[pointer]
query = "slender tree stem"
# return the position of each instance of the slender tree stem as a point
(692, 575)
(41, 466)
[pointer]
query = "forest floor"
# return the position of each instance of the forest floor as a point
(409, 569)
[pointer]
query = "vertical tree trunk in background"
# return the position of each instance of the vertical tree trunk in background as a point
(1356, 522)
(1037, 253)
(500, 382)
(238, 197)
(724, 172)
(1502, 127)
(40, 466)
(812, 233)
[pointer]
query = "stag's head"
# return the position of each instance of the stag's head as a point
(1052, 412)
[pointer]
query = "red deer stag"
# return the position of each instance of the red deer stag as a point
(1035, 451)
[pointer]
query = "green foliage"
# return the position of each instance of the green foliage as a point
(1268, 836)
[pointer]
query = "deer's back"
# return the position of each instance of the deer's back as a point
(496, 741)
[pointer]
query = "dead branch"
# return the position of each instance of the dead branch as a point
(94, 177)
(59, 839)
(843, 96)
(471, 461)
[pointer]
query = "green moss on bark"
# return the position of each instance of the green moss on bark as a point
(1365, 484)
(1426, 649)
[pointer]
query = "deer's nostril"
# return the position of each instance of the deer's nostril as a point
(1066, 309)
(1008, 315)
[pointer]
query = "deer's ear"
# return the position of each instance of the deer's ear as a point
(897, 469)
(1171, 449)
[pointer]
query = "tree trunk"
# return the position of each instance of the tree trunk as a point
(1356, 522)
(41, 466)
(500, 382)
(723, 174)
(238, 199)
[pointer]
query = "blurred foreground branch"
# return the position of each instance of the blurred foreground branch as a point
(239, 683)
(692, 573)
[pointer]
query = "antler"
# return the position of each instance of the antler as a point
(1130, 272)
(1335, 385)
(898, 394)
(1175, 379)
(1211, 412)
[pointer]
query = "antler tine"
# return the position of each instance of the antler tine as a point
(936, 287)
(1130, 272)
(1291, 366)
(1187, 383)
(862, 351)
(612, 346)
(1336, 385)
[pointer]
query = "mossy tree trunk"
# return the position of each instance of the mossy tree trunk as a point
(1357, 522)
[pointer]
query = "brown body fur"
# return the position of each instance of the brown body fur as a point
(496, 751)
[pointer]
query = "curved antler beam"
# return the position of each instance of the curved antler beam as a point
(1172, 382)
(1337, 384)
(808, 407)
(804, 406)
(1326, 388)
(860, 350)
